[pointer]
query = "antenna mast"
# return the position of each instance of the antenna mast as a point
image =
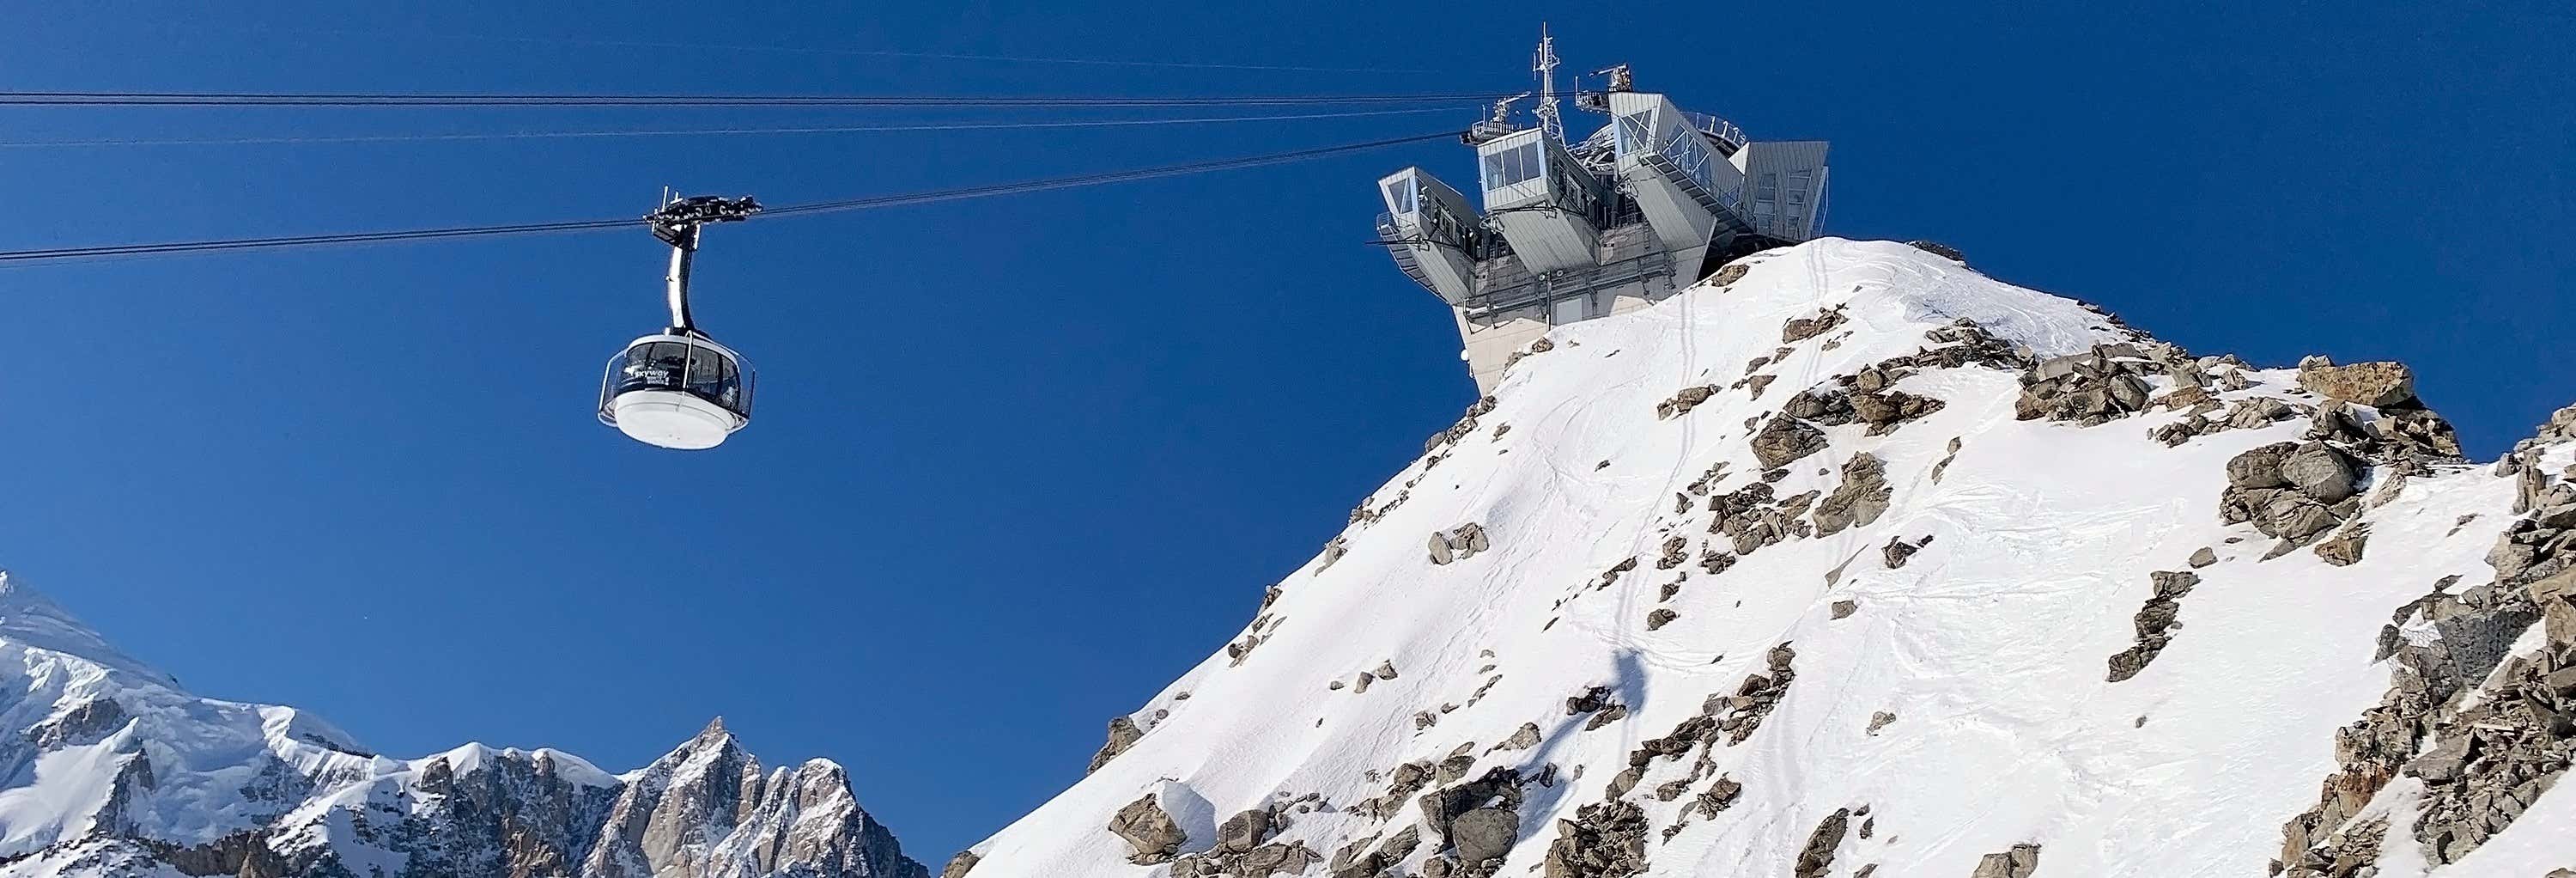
(1544, 63)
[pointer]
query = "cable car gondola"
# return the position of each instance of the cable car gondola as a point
(678, 388)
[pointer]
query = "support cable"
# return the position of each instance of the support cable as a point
(325, 99)
(63, 254)
(712, 132)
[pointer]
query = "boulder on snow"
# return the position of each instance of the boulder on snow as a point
(2321, 472)
(1783, 440)
(961, 864)
(1818, 855)
(1484, 834)
(2379, 384)
(1859, 500)
(1151, 835)
(1802, 328)
(2261, 467)
(2021, 862)
(1681, 402)
(2344, 548)
(1458, 543)
(1169, 820)
(1245, 831)
(1885, 410)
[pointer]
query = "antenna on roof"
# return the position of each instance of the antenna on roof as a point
(1499, 125)
(1544, 64)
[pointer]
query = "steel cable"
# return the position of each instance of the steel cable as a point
(60, 254)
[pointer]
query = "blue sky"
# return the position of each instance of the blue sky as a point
(1019, 462)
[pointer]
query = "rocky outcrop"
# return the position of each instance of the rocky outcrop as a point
(1681, 402)
(1860, 499)
(707, 810)
(1604, 840)
(1818, 855)
(2381, 384)
(1465, 426)
(1802, 328)
(963, 863)
(2154, 623)
(2020, 862)
(2289, 491)
(2088, 388)
(1458, 543)
(1123, 734)
(1783, 440)
(2484, 730)
(1751, 518)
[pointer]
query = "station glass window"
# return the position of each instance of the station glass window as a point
(1636, 133)
(1514, 165)
(1399, 196)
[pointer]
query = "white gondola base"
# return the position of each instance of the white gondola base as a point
(671, 419)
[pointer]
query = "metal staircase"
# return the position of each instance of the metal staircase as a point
(1401, 247)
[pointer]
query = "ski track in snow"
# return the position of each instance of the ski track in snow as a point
(1989, 646)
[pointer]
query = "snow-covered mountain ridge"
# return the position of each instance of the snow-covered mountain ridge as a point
(110, 770)
(1854, 562)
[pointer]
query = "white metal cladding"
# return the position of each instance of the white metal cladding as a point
(1680, 182)
(1541, 199)
(1429, 228)
(1787, 187)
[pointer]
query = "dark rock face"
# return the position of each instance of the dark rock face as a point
(1898, 551)
(1123, 734)
(83, 725)
(1939, 249)
(527, 821)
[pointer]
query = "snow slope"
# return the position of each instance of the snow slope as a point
(1955, 707)
(108, 768)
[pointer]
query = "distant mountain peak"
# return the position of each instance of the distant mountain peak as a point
(31, 619)
(116, 772)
